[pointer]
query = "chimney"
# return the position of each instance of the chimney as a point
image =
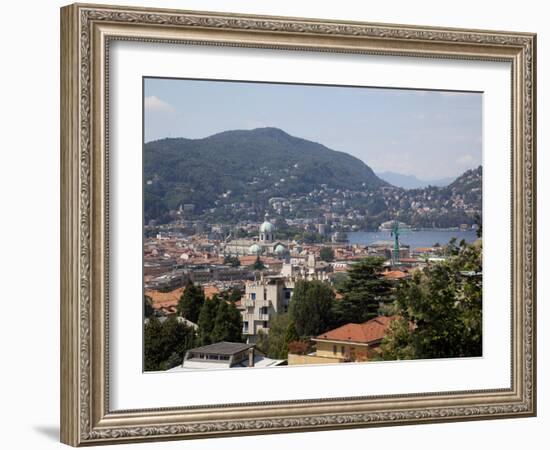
(251, 357)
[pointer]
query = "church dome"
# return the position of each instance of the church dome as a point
(267, 227)
(254, 249)
(280, 249)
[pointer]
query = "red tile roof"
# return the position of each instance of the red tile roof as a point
(367, 332)
(395, 274)
(210, 291)
(164, 299)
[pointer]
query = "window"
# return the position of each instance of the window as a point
(334, 350)
(343, 350)
(287, 294)
(253, 296)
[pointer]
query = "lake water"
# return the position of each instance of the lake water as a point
(421, 238)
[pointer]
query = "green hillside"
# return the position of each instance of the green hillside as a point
(249, 166)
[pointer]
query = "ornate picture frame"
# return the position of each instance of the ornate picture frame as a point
(87, 31)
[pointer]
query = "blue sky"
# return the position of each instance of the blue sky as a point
(430, 134)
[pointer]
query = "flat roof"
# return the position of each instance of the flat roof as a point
(259, 361)
(222, 348)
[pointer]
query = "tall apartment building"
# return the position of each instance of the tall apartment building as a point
(262, 300)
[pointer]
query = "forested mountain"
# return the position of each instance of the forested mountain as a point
(245, 165)
(237, 176)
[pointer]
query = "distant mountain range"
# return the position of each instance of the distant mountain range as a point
(411, 181)
(238, 175)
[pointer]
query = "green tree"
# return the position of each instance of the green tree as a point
(311, 308)
(191, 302)
(152, 343)
(364, 291)
(233, 261)
(339, 280)
(262, 344)
(165, 343)
(206, 320)
(227, 323)
(290, 333)
(236, 294)
(327, 254)
(177, 338)
(258, 264)
(281, 332)
(398, 343)
(278, 343)
(233, 294)
(444, 304)
(148, 309)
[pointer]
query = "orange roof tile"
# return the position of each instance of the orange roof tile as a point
(210, 291)
(367, 332)
(164, 299)
(247, 260)
(395, 274)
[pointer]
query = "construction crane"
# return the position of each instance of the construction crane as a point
(396, 231)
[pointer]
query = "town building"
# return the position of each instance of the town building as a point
(225, 355)
(263, 299)
(349, 343)
(264, 244)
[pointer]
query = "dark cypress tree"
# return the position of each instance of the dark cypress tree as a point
(177, 338)
(148, 310)
(206, 320)
(190, 303)
(363, 292)
(311, 308)
(227, 323)
(258, 264)
(165, 343)
(153, 345)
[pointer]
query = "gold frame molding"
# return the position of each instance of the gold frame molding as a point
(86, 31)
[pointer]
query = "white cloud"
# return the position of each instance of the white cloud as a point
(155, 104)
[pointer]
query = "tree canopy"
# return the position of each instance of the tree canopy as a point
(327, 254)
(227, 323)
(443, 303)
(311, 308)
(165, 343)
(206, 320)
(363, 292)
(191, 301)
(258, 264)
(148, 310)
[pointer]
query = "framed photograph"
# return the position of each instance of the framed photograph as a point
(276, 224)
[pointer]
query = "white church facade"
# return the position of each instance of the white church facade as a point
(264, 244)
